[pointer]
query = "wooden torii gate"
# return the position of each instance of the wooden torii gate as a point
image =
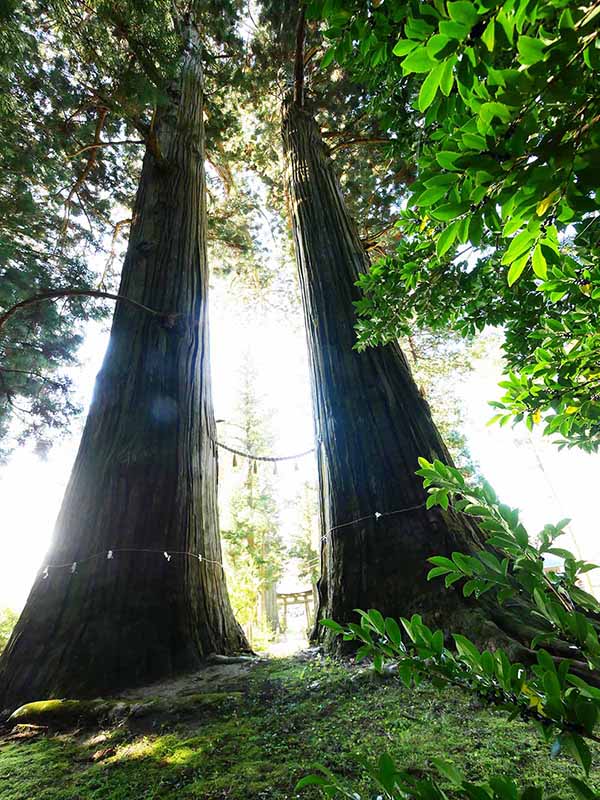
(293, 599)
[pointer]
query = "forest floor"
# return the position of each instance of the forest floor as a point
(250, 731)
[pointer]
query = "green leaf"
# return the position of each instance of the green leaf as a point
(449, 211)
(474, 141)
(447, 77)
(489, 111)
(446, 239)
(454, 30)
(404, 47)
(392, 630)
(587, 714)
(429, 87)
(447, 159)
(418, 61)
(463, 11)
(376, 619)
(520, 244)
(328, 57)
(449, 771)
(467, 649)
(539, 263)
(332, 625)
(488, 37)
(437, 43)
(516, 269)
(311, 780)
(531, 50)
(582, 790)
(579, 749)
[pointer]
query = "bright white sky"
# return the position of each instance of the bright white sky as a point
(31, 489)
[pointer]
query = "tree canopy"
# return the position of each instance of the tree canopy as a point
(81, 85)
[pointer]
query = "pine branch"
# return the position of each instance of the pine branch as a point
(56, 293)
(92, 158)
(94, 145)
(367, 140)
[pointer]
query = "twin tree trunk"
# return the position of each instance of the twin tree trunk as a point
(145, 473)
(371, 421)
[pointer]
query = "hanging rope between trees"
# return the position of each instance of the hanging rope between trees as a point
(253, 457)
(109, 554)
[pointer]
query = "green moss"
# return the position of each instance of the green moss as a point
(61, 712)
(256, 743)
(210, 699)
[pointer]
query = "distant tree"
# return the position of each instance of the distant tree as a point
(439, 362)
(8, 620)
(253, 543)
(305, 547)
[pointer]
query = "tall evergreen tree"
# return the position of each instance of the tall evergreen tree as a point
(372, 423)
(144, 480)
(305, 546)
(254, 545)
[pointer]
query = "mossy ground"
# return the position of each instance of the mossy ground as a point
(286, 715)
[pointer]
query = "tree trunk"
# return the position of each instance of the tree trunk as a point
(269, 613)
(371, 421)
(146, 471)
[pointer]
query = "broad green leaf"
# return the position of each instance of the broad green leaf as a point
(463, 11)
(429, 88)
(467, 649)
(474, 141)
(418, 61)
(332, 625)
(392, 630)
(446, 239)
(531, 50)
(437, 42)
(430, 196)
(328, 57)
(449, 771)
(404, 46)
(539, 263)
(447, 78)
(577, 745)
(488, 37)
(447, 159)
(449, 211)
(521, 242)
(489, 111)
(454, 30)
(516, 269)
(582, 790)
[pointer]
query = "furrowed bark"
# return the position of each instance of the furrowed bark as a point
(145, 473)
(371, 421)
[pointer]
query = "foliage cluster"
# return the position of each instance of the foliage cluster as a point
(8, 620)
(500, 226)
(556, 689)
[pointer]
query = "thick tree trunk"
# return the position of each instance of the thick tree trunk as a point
(371, 421)
(145, 473)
